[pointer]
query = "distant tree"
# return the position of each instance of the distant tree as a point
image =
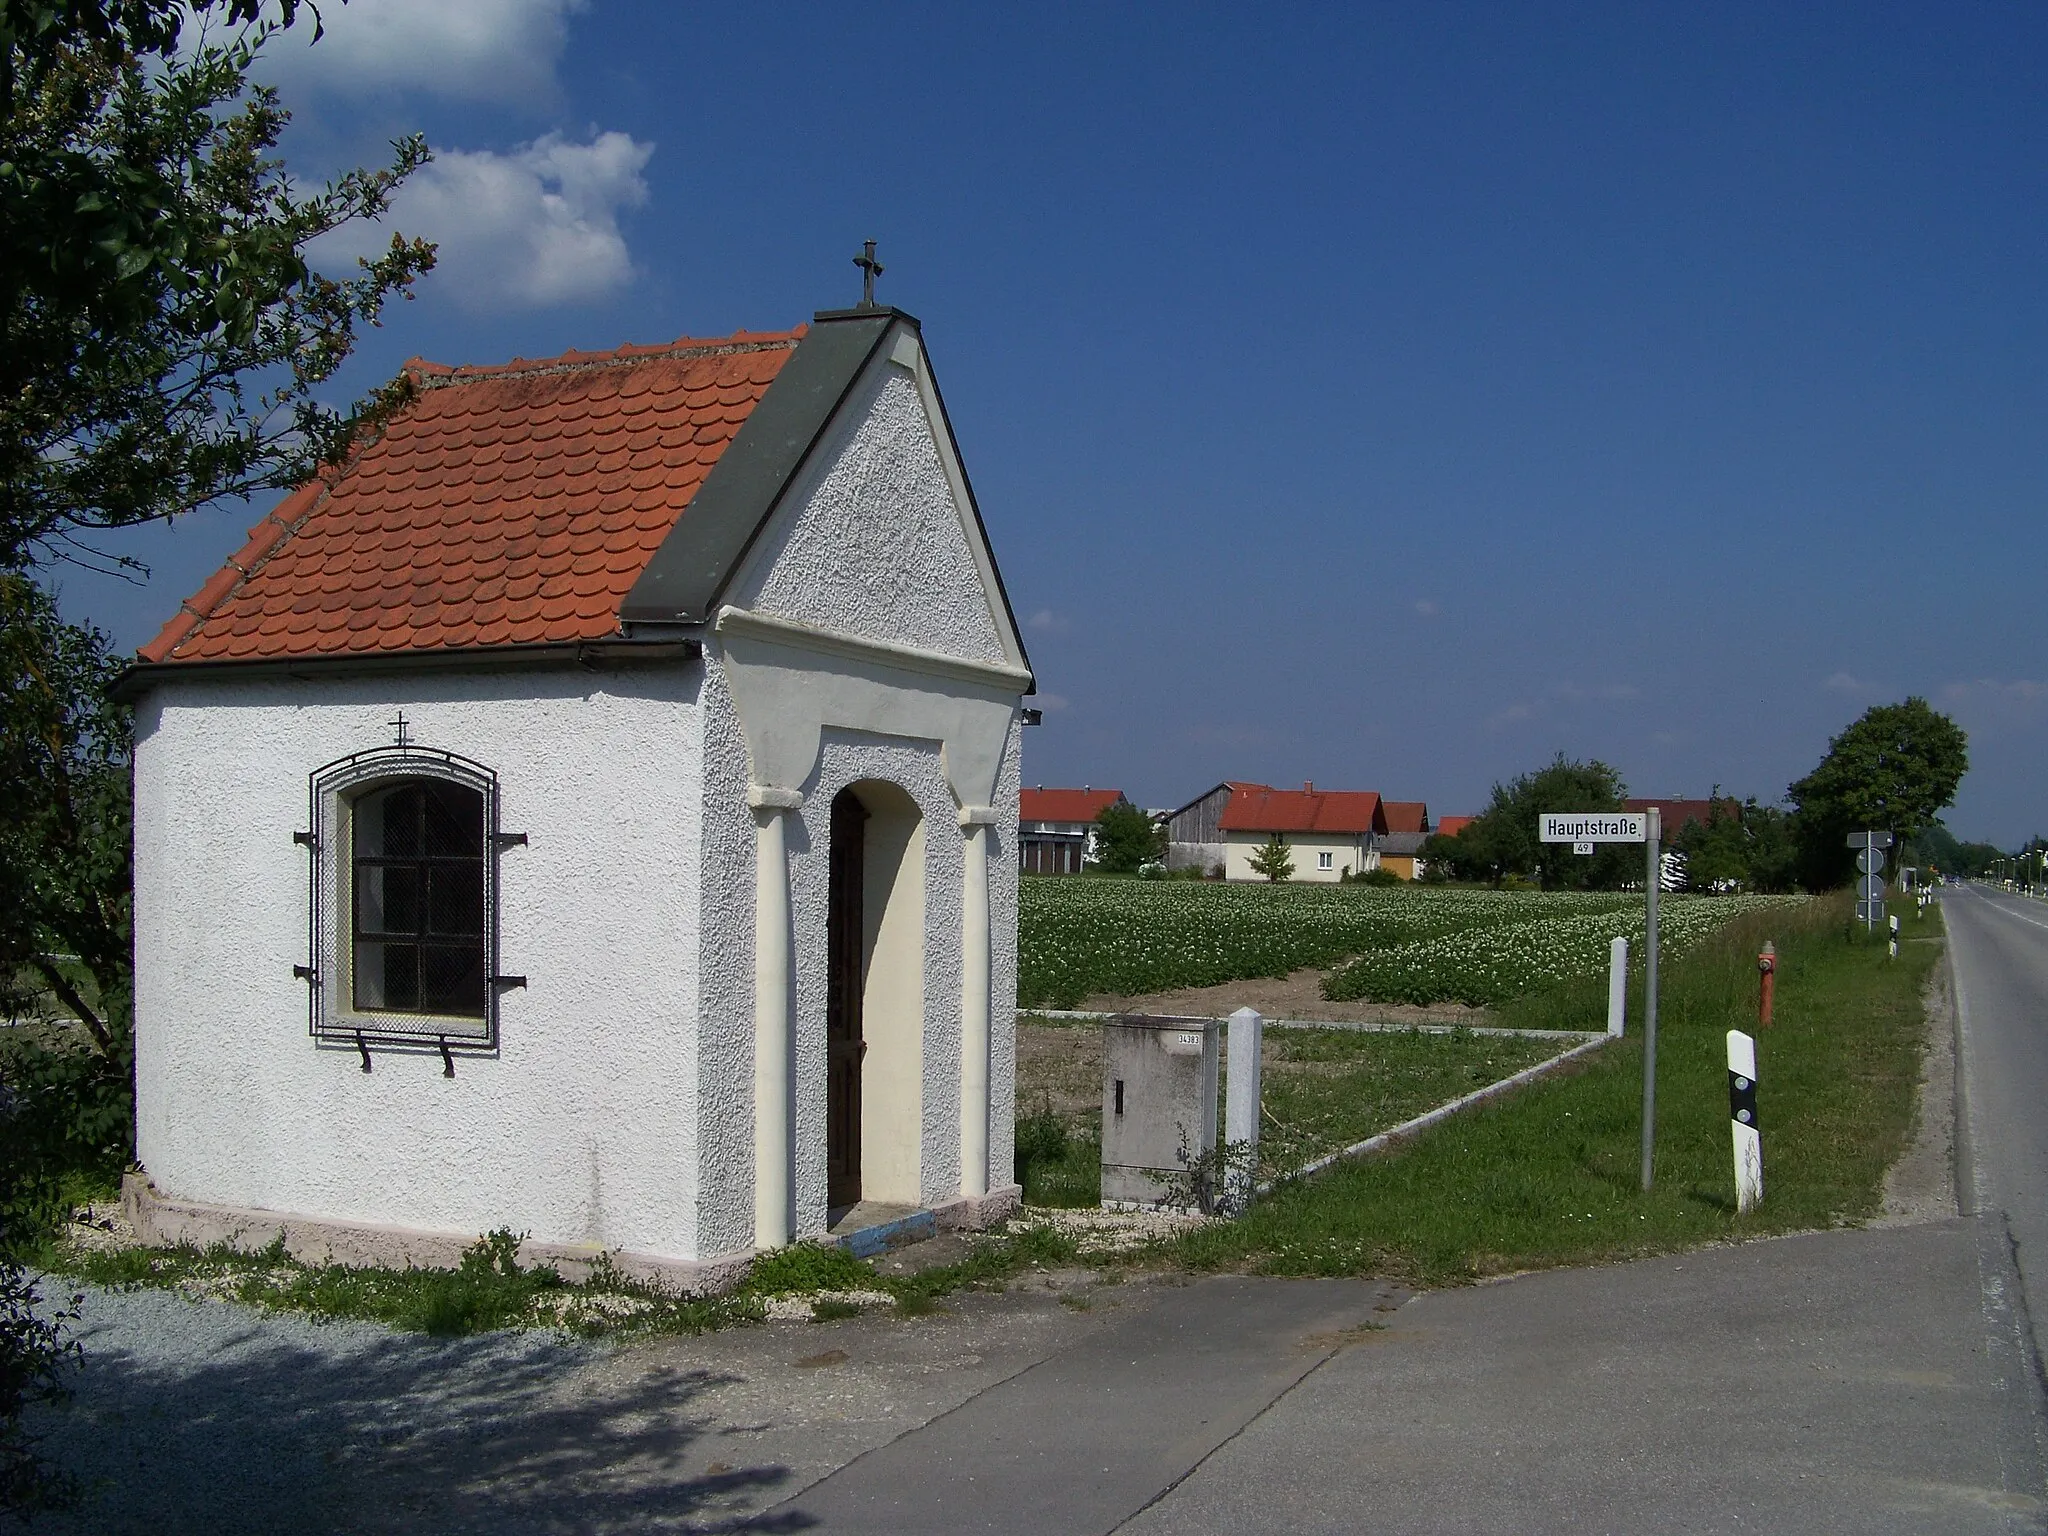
(1894, 769)
(1717, 849)
(1125, 837)
(1502, 840)
(1272, 859)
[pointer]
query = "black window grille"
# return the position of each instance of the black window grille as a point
(402, 941)
(417, 899)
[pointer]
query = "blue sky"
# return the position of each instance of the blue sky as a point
(1389, 396)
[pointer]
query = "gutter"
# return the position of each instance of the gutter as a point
(142, 676)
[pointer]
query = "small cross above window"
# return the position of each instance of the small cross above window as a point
(401, 728)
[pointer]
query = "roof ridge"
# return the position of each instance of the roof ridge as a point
(432, 375)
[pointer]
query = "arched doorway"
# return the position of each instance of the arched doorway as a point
(874, 998)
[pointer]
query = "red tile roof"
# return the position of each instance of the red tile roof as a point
(1258, 808)
(1451, 826)
(506, 505)
(1406, 815)
(1042, 804)
(1674, 814)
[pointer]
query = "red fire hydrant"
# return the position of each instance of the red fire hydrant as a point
(1767, 968)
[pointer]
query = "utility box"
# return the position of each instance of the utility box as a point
(1158, 1107)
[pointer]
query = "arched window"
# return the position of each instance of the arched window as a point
(404, 900)
(416, 889)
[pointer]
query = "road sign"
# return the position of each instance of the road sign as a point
(1870, 861)
(1871, 912)
(1871, 888)
(1870, 839)
(1593, 827)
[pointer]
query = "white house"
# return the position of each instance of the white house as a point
(591, 811)
(1329, 833)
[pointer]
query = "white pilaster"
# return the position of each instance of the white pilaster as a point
(773, 1150)
(975, 821)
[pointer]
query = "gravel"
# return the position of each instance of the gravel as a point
(197, 1417)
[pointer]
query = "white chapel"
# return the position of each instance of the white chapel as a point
(591, 811)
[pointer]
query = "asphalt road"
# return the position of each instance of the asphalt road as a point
(1998, 945)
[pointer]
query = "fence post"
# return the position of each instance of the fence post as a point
(1617, 985)
(1241, 1106)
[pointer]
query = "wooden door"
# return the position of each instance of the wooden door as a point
(845, 934)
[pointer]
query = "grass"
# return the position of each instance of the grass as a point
(1322, 1090)
(1550, 1176)
(491, 1290)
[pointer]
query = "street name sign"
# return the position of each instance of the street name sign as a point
(1870, 839)
(1593, 827)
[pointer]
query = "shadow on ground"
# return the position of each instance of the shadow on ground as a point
(224, 1423)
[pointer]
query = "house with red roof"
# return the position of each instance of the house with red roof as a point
(591, 810)
(1056, 827)
(1400, 848)
(1329, 833)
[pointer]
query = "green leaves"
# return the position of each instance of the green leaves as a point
(163, 338)
(1893, 769)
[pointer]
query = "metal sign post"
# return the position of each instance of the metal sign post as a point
(1583, 830)
(1870, 848)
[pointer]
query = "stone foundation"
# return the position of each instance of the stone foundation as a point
(162, 1221)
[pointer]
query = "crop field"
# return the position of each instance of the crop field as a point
(1081, 938)
(1489, 965)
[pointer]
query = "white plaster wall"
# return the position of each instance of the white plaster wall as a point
(1002, 918)
(725, 978)
(870, 541)
(583, 1128)
(1345, 852)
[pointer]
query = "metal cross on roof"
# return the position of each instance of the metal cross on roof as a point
(404, 736)
(870, 269)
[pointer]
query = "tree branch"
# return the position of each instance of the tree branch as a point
(68, 996)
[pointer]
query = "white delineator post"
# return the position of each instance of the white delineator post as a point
(772, 1148)
(1617, 985)
(1655, 867)
(1246, 1047)
(974, 1000)
(1749, 1144)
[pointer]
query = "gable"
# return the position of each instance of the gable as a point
(877, 538)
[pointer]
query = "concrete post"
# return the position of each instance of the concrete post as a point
(773, 1147)
(1617, 985)
(1246, 1045)
(975, 822)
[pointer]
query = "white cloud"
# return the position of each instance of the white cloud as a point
(1425, 607)
(1844, 682)
(472, 50)
(1994, 705)
(533, 227)
(1047, 620)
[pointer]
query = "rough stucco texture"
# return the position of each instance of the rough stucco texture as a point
(877, 547)
(581, 1129)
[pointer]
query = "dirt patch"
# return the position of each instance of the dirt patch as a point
(1297, 996)
(1921, 1185)
(1059, 1070)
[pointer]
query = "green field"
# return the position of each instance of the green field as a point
(1081, 938)
(1550, 1175)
